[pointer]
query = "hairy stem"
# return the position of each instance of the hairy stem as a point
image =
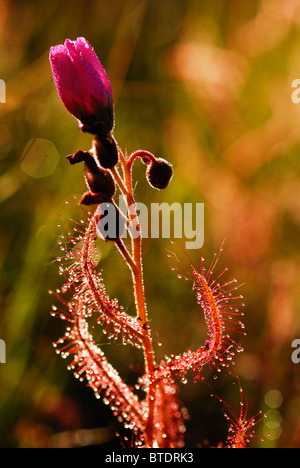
(125, 185)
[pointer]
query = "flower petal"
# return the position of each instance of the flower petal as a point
(89, 81)
(90, 56)
(65, 78)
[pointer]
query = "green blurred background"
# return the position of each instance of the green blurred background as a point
(206, 85)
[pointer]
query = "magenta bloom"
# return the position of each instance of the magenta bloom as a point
(83, 85)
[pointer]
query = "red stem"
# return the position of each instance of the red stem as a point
(125, 186)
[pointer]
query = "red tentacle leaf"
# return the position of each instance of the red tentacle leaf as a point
(85, 282)
(218, 302)
(241, 426)
(90, 363)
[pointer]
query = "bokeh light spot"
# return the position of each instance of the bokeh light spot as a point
(39, 158)
(273, 398)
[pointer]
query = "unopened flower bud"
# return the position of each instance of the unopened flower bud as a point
(159, 173)
(109, 221)
(97, 180)
(106, 150)
(83, 85)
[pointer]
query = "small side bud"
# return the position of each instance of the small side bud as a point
(89, 198)
(78, 157)
(106, 151)
(159, 173)
(97, 180)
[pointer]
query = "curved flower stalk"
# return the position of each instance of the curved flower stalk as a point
(158, 419)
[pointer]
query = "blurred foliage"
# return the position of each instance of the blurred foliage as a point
(207, 85)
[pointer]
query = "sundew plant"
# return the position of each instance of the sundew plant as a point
(158, 417)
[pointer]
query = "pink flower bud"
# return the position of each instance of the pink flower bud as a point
(83, 85)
